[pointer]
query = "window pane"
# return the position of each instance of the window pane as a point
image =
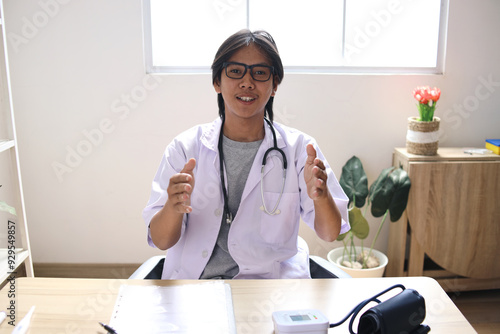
(382, 33)
(188, 33)
(308, 33)
(377, 35)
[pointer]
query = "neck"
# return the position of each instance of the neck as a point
(244, 130)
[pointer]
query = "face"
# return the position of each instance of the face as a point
(246, 98)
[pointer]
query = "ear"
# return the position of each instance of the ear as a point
(275, 87)
(217, 86)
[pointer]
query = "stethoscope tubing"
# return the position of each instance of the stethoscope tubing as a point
(264, 159)
(229, 217)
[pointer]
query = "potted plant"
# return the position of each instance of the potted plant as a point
(422, 137)
(7, 208)
(387, 196)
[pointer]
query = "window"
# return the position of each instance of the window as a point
(325, 36)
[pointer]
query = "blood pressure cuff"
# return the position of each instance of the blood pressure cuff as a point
(402, 313)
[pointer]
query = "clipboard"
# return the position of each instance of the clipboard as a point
(190, 308)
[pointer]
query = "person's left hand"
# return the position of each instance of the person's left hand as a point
(315, 175)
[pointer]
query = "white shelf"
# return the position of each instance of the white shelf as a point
(7, 270)
(6, 144)
(10, 175)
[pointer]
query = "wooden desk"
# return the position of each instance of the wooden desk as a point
(77, 305)
(453, 217)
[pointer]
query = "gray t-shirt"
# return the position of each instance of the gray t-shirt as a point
(238, 160)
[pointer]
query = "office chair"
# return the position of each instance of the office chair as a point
(319, 267)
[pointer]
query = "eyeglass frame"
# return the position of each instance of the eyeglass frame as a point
(225, 64)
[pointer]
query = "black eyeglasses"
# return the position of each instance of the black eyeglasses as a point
(258, 72)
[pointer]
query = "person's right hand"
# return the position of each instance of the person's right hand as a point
(180, 188)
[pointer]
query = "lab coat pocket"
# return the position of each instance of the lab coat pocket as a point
(284, 223)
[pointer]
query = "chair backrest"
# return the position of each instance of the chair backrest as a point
(319, 267)
(157, 270)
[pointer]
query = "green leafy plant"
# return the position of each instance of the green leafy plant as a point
(7, 208)
(388, 195)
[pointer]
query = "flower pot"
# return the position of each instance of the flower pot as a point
(422, 137)
(335, 257)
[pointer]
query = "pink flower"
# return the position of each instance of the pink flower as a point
(427, 98)
(425, 94)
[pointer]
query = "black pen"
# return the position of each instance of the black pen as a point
(109, 329)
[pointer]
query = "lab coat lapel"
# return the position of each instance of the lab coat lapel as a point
(210, 139)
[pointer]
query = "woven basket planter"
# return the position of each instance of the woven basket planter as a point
(422, 137)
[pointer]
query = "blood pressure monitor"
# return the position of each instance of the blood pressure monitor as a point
(300, 322)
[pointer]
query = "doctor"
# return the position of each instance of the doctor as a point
(221, 205)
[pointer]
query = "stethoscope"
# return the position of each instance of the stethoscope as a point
(274, 211)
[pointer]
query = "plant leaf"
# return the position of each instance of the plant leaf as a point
(354, 182)
(5, 207)
(359, 225)
(390, 192)
(399, 200)
(381, 192)
(342, 236)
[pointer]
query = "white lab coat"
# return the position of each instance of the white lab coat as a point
(262, 245)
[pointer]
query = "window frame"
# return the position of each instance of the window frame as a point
(437, 70)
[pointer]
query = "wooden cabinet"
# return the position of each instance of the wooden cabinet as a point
(15, 254)
(452, 219)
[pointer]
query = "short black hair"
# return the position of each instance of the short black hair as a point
(243, 38)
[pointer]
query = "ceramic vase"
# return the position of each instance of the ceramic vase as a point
(335, 257)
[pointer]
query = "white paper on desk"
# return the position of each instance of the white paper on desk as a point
(191, 308)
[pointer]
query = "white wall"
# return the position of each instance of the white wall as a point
(77, 66)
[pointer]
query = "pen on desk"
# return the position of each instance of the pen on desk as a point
(109, 329)
(23, 325)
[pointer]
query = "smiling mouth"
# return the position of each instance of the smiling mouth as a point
(246, 98)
